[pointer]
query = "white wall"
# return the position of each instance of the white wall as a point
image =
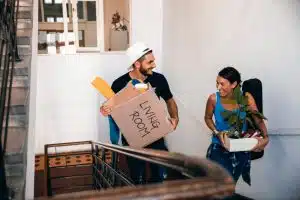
(276, 176)
(67, 106)
(67, 103)
(30, 157)
(259, 38)
(146, 18)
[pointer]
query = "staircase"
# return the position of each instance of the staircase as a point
(16, 148)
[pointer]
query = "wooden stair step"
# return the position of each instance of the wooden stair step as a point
(24, 23)
(15, 139)
(17, 121)
(25, 63)
(24, 32)
(16, 170)
(24, 50)
(25, 3)
(25, 14)
(23, 40)
(19, 96)
(18, 82)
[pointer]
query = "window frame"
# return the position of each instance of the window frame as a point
(99, 25)
(100, 47)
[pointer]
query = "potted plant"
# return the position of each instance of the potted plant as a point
(118, 23)
(236, 120)
(119, 38)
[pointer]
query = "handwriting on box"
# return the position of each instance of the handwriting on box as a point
(137, 118)
(142, 119)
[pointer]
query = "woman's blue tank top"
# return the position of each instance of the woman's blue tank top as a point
(221, 124)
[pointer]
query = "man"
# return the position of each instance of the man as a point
(142, 62)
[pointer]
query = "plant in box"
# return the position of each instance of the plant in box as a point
(236, 120)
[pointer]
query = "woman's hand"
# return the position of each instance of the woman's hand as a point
(223, 137)
(262, 143)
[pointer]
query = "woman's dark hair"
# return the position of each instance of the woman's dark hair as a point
(230, 74)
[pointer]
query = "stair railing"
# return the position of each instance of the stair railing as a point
(187, 177)
(8, 43)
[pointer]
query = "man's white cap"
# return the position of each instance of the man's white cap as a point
(136, 51)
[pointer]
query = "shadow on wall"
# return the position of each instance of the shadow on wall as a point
(192, 137)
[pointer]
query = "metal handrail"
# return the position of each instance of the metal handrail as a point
(203, 178)
(8, 27)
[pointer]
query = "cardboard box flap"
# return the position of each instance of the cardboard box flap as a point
(125, 95)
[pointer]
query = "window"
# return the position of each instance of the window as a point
(87, 25)
(74, 26)
(50, 19)
(60, 19)
(48, 1)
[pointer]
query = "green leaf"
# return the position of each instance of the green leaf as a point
(233, 120)
(243, 108)
(237, 94)
(229, 101)
(258, 114)
(250, 122)
(232, 133)
(244, 101)
(226, 114)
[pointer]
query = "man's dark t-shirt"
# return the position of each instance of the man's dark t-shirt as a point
(162, 89)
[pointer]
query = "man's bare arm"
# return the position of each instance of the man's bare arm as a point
(173, 112)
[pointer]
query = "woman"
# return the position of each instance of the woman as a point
(236, 163)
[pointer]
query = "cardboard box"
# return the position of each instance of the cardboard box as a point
(141, 116)
(243, 144)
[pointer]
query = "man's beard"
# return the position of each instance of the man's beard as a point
(146, 72)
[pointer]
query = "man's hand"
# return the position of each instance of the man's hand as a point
(105, 110)
(174, 122)
(262, 143)
(173, 112)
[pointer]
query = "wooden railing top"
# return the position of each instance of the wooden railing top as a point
(198, 188)
(207, 179)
